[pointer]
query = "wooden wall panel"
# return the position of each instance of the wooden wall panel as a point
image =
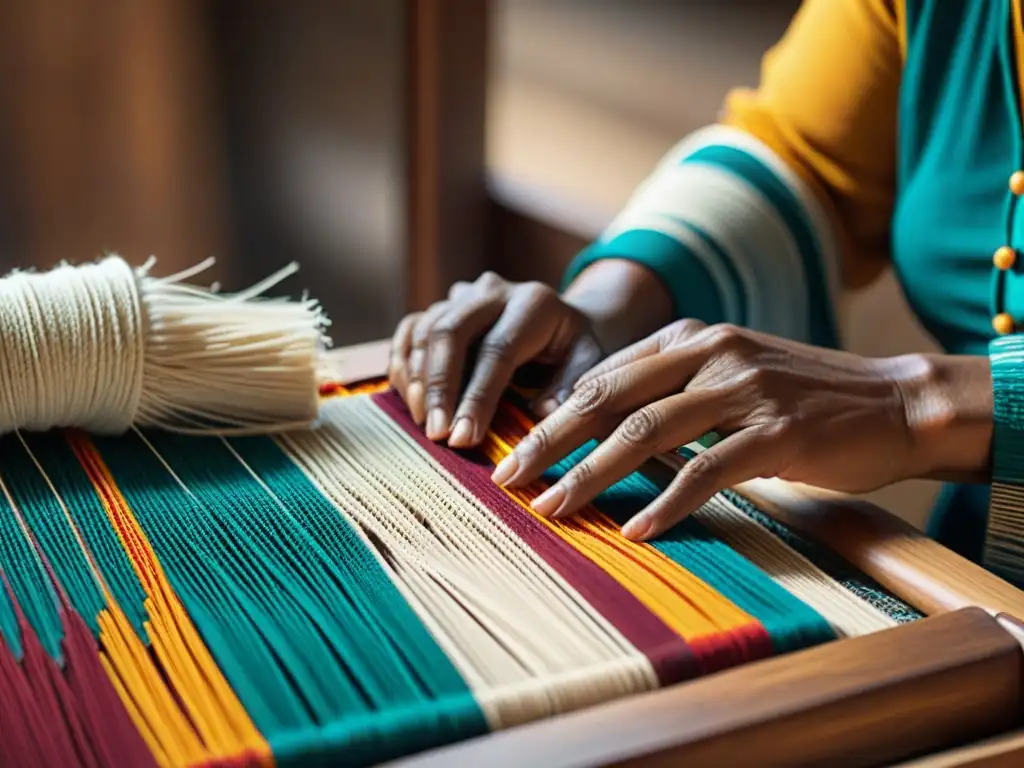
(448, 88)
(347, 136)
(108, 131)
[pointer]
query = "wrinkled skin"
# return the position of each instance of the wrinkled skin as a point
(803, 413)
(509, 324)
(817, 416)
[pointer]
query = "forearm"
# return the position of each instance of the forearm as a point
(625, 301)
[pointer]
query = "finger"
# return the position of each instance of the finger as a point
(459, 291)
(752, 452)
(667, 337)
(583, 355)
(593, 407)
(449, 340)
(519, 336)
(416, 368)
(657, 428)
(398, 361)
(631, 354)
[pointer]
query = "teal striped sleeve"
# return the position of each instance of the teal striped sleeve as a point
(1004, 537)
(735, 236)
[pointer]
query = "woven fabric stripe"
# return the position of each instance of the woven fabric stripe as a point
(56, 467)
(304, 661)
(669, 654)
(790, 623)
(176, 694)
(354, 593)
(29, 587)
(845, 574)
(524, 639)
(1004, 552)
(45, 516)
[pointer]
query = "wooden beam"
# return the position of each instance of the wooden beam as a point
(447, 70)
(891, 551)
(1005, 751)
(867, 701)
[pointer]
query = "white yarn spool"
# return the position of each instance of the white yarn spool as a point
(103, 347)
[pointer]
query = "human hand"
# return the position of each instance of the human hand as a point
(788, 410)
(510, 324)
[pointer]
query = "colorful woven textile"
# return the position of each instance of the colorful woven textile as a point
(354, 593)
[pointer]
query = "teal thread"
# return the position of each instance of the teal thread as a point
(320, 647)
(44, 516)
(790, 623)
(830, 563)
(62, 466)
(29, 581)
(1007, 360)
(9, 632)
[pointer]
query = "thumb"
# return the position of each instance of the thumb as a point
(583, 355)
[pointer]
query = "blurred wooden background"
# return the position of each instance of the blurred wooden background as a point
(347, 136)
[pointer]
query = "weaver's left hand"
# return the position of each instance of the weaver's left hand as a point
(818, 416)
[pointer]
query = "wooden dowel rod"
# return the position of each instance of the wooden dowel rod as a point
(886, 548)
(921, 687)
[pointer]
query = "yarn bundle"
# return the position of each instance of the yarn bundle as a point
(104, 347)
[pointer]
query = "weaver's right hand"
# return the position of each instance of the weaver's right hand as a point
(508, 324)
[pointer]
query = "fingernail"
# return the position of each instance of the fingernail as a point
(548, 502)
(505, 470)
(462, 433)
(416, 395)
(437, 424)
(637, 529)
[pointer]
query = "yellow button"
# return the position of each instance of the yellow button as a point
(1017, 183)
(1003, 324)
(1004, 257)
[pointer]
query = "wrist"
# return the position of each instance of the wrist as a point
(624, 302)
(948, 410)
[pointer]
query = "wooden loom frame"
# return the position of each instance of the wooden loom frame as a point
(954, 678)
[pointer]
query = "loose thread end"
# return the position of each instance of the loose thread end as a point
(229, 363)
(148, 351)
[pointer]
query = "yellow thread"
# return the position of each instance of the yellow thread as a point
(683, 602)
(152, 702)
(127, 663)
(212, 706)
(162, 758)
(366, 388)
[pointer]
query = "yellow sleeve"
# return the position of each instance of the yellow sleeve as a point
(827, 105)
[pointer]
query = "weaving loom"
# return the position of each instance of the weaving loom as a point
(352, 594)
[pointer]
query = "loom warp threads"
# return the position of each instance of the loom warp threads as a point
(355, 593)
(103, 347)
